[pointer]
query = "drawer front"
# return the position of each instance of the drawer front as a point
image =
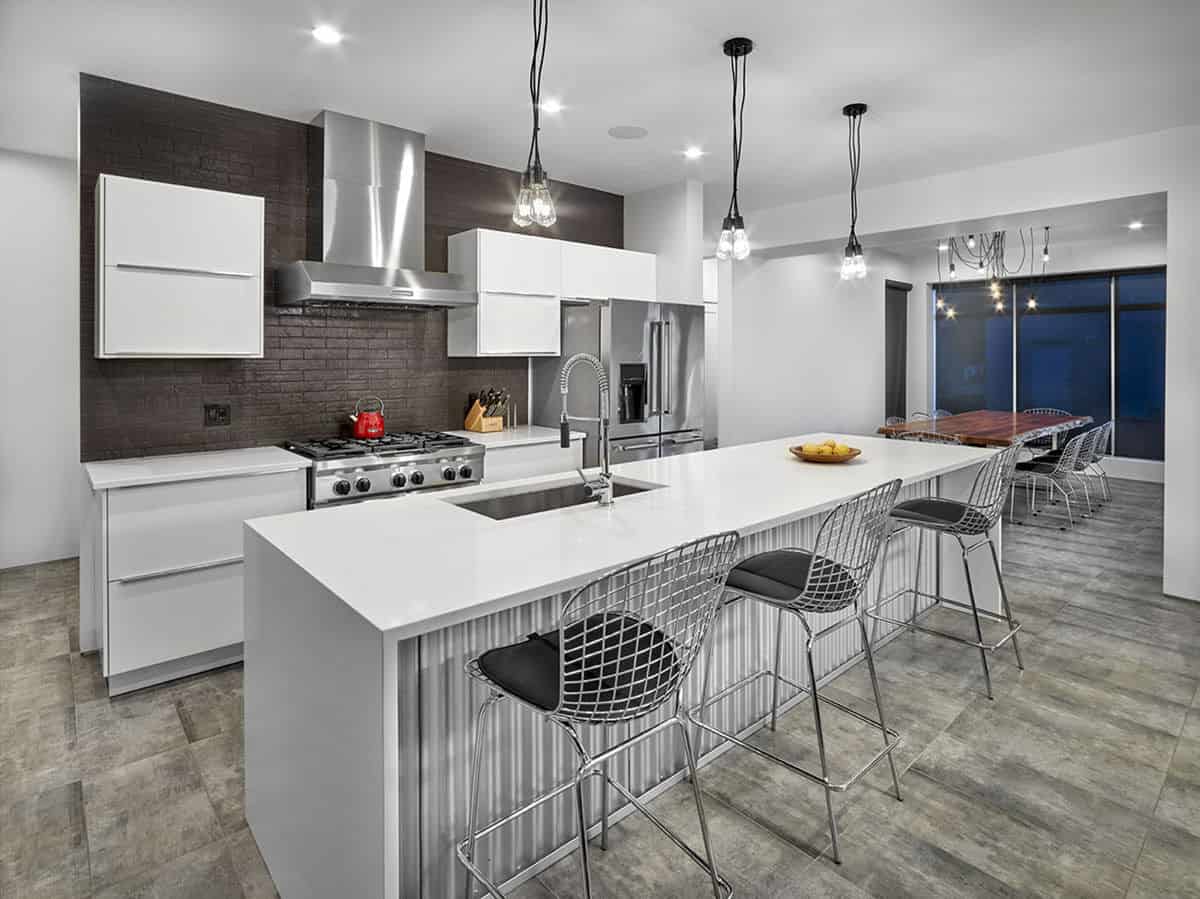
(154, 312)
(514, 324)
(160, 619)
(514, 462)
(150, 223)
(166, 527)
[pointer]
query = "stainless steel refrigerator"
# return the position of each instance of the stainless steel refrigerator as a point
(654, 353)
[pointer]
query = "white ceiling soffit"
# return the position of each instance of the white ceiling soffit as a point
(951, 86)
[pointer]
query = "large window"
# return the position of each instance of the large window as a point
(1065, 349)
(974, 352)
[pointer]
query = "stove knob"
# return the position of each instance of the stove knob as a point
(398, 479)
(465, 472)
(449, 473)
(341, 487)
(362, 485)
(416, 479)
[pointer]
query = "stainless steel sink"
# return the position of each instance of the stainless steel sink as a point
(514, 505)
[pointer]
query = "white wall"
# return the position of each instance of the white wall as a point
(669, 221)
(39, 366)
(806, 348)
(1165, 161)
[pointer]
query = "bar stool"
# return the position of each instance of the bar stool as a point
(828, 579)
(961, 520)
(623, 647)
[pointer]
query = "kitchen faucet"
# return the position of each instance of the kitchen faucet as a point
(600, 487)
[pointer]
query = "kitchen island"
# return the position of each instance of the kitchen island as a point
(359, 619)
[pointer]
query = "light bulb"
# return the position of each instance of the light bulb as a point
(982, 267)
(943, 247)
(725, 244)
(1045, 255)
(543, 206)
(860, 265)
(953, 273)
(950, 313)
(970, 241)
(999, 305)
(741, 244)
(523, 210)
(1031, 303)
(941, 303)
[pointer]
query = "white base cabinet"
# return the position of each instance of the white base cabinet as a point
(164, 571)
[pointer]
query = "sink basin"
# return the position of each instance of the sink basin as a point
(544, 499)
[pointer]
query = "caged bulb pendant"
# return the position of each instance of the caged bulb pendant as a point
(534, 204)
(854, 266)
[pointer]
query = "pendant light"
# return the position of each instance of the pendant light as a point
(853, 264)
(733, 241)
(534, 204)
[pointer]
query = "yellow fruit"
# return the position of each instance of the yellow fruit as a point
(809, 448)
(826, 450)
(830, 442)
(842, 450)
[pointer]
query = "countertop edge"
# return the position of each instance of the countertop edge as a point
(228, 470)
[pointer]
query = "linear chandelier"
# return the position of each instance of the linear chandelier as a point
(986, 256)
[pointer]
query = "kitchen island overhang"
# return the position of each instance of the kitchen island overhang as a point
(359, 621)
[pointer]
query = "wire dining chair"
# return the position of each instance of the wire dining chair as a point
(930, 437)
(941, 413)
(894, 420)
(919, 416)
(828, 579)
(623, 648)
(1059, 476)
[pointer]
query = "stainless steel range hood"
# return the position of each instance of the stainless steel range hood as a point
(370, 179)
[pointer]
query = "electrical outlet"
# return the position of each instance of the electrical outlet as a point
(217, 414)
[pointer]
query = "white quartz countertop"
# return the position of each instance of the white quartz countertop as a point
(419, 563)
(526, 435)
(143, 470)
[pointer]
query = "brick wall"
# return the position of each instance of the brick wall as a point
(316, 361)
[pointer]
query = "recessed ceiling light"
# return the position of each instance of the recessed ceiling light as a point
(550, 106)
(1136, 225)
(627, 132)
(693, 153)
(327, 34)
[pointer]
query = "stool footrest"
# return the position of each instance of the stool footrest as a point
(911, 624)
(895, 738)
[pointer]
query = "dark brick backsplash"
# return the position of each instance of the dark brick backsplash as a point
(317, 361)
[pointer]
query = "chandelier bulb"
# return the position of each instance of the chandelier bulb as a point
(970, 241)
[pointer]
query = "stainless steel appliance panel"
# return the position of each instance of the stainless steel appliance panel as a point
(580, 334)
(681, 369)
(629, 336)
(681, 442)
(635, 449)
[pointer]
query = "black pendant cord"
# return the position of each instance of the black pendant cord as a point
(739, 115)
(541, 27)
(854, 142)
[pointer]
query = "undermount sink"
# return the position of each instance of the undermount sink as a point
(545, 499)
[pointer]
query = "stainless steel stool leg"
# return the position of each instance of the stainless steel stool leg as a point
(917, 574)
(481, 721)
(816, 707)
(604, 806)
(862, 626)
(581, 817)
(775, 670)
(1004, 599)
(690, 757)
(706, 679)
(987, 674)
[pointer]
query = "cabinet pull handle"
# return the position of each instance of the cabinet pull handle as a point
(183, 569)
(179, 270)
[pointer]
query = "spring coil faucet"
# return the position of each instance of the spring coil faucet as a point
(600, 487)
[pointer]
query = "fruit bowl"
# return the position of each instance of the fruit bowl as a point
(816, 456)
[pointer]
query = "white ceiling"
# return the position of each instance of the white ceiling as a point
(951, 84)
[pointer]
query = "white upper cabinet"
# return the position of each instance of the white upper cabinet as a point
(179, 271)
(592, 272)
(500, 262)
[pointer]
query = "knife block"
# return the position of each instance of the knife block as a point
(483, 424)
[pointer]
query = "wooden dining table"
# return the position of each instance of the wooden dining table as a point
(989, 427)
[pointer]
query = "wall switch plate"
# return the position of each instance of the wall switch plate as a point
(217, 414)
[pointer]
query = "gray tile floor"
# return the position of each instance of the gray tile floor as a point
(1081, 779)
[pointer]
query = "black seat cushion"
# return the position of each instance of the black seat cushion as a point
(1037, 466)
(947, 514)
(614, 662)
(782, 574)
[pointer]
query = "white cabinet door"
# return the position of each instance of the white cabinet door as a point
(152, 312)
(592, 272)
(166, 225)
(518, 325)
(160, 619)
(519, 263)
(164, 527)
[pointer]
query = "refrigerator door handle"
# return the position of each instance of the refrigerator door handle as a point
(665, 374)
(655, 368)
(634, 447)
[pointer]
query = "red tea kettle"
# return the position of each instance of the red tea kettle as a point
(368, 425)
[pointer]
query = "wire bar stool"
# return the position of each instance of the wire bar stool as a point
(972, 519)
(624, 646)
(1059, 475)
(830, 578)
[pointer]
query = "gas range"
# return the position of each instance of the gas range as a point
(349, 470)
